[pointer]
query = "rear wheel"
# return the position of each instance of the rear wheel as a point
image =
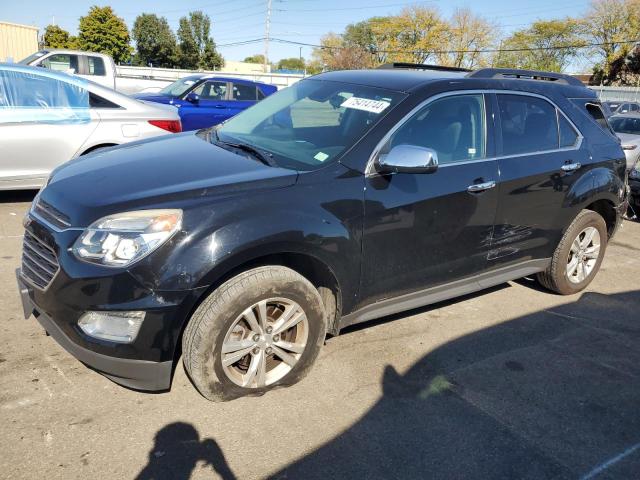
(578, 256)
(261, 329)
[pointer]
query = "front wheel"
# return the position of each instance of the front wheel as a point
(261, 329)
(578, 256)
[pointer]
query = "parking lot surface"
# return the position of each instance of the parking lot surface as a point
(513, 382)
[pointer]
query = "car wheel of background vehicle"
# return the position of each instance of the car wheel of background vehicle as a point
(260, 330)
(578, 256)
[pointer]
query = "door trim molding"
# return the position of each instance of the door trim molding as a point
(443, 292)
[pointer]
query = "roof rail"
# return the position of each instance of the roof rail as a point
(421, 66)
(510, 73)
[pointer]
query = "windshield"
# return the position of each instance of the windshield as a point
(626, 125)
(177, 88)
(311, 123)
(32, 57)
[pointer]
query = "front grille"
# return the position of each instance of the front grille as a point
(39, 261)
(51, 214)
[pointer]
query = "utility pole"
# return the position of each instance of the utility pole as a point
(267, 28)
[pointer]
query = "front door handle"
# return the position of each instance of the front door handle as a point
(571, 167)
(219, 106)
(480, 187)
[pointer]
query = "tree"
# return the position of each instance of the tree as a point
(335, 54)
(546, 45)
(155, 42)
(468, 34)
(56, 37)
(104, 32)
(196, 48)
(293, 63)
(257, 58)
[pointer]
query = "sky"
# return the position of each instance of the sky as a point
(299, 20)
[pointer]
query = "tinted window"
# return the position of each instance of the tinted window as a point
(212, 90)
(633, 107)
(528, 124)
(452, 126)
(260, 94)
(626, 125)
(96, 101)
(568, 134)
(61, 62)
(596, 112)
(96, 66)
(244, 92)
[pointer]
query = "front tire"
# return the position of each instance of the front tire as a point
(260, 330)
(578, 256)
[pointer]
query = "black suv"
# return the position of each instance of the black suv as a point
(349, 196)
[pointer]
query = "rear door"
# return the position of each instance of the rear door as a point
(541, 156)
(243, 95)
(210, 109)
(46, 122)
(427, 229)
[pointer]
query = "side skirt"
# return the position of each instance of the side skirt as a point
(444, 292)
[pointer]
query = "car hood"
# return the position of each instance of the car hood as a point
(166, 171)
(628, 138)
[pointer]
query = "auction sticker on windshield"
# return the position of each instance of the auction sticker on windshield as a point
(366, 104)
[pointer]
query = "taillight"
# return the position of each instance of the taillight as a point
(173, 126)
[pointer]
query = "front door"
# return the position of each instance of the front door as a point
(211, 107)
(426, 229)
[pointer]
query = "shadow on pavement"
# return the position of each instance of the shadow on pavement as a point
(551, 394)
(178, 450)
(17, 196)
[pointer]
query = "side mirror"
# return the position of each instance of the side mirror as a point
(408, 159)
(193, 98)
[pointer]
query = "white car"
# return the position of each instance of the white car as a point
(627, 128)
(48, 118)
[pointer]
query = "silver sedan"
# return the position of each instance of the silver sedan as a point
(627, 128)
(48, 118)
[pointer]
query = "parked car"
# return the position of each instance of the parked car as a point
(346, 197)
(207, 100)
(627, 128)
(97, 67)
(47, 118)
(628, 107)
(634, 192)
(609, 107)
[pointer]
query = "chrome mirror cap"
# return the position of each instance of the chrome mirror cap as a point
(408, 159)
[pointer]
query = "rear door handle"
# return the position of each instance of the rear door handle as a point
(571, 167)
(480, 187)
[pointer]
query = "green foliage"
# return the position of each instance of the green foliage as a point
(196, 48)
(554, 44)
(56, 37)
(292, 63)
(104, 32)
(155, 42)
(257, 58)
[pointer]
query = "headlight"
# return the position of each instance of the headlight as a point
(121, 239)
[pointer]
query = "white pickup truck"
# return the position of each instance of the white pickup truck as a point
(96, 67)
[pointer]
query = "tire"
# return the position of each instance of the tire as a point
(242, 309)
(557, 277)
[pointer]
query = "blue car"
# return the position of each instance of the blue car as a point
(206, 100)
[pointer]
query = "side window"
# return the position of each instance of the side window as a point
(528, 124)
(596, 112)
(633, 107)
(96, 66)
(61, 62)
(244, 92)
(212, 90)
(96, 101)
(452, 126)
(568, 134)
(259, 93)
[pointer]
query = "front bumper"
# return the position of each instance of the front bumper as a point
(138, 374)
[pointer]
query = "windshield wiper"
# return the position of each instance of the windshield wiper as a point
(264, 157)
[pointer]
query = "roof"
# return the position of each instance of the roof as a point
(399, 80)
(76, 52)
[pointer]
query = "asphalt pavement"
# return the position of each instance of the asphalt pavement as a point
(513, 382)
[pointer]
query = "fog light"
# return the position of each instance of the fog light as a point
(121, 327)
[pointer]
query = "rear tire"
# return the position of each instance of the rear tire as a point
(247, 318)
(578, 256)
